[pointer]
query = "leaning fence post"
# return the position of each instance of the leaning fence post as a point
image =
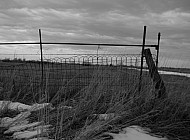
(142, 56)
(153, 71)
(157, 49)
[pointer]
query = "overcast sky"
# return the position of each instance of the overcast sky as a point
(98, 21)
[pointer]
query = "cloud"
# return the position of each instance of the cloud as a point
(92, 21)
(173, 18)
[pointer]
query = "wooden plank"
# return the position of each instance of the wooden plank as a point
(153, 71)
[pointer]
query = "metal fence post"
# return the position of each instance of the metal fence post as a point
(157, 49)
(142, 57)
(42, 69)
(41, 53)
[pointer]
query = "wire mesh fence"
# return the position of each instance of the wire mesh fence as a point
(73, 72)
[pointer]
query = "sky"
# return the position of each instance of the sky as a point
(98, 21)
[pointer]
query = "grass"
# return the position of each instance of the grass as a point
(110, 90)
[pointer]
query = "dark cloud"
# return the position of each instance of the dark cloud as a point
(92, 21)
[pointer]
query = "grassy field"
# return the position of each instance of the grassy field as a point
(93, 90)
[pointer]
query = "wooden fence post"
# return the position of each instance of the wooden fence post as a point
(153, 71)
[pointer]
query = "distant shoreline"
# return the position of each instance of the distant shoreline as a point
(179, 70)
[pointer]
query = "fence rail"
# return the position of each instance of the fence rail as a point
(70, 43)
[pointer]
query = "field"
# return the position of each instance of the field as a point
(92, 90)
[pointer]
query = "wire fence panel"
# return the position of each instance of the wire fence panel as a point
(74, 72)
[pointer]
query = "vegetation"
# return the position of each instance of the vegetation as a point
(93, 90)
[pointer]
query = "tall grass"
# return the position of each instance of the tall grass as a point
(169, 117)
(166, 117)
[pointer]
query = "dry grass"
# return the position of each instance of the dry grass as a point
(168, 117)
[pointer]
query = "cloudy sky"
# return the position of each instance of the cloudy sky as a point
(98, 21)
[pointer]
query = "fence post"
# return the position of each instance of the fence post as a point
(142, 56)
(157, 49)
(153, 71)
(41, 54)
(42, 67)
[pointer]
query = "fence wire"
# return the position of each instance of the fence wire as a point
(73, 72)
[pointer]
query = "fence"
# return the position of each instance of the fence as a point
(75, 71)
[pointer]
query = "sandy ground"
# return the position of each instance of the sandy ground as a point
(22, 129)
